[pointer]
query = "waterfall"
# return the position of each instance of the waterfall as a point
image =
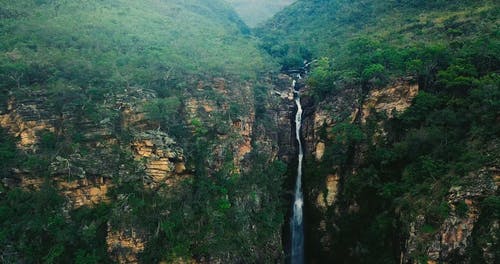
(297, 226)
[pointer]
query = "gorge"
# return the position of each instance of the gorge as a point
(163, 131)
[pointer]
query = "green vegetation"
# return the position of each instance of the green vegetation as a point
(37, 229)
(82, 60)
(216, 216)
(451, 49)
(8, 153)
(116, 44)
(80, 54)
(370, 42)
(433, 145)
(165, 111)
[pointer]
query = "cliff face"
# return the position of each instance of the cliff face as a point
(454, 237)
(231, 114)
(147, 132)
(84, 179)
(135, 126)
(25, 117)
(281, 110)
(323, 186)
(107, 158)
(333, 122)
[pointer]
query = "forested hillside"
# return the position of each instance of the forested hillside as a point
(403, 173)
(163, 131)
(126, 134)
(188, 36)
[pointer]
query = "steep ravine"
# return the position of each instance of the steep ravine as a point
(226, 165)
(321, 188)
(324, 185)
(324, 189)
(85, 180)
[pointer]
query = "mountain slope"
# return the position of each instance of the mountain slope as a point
(325, 28)
(402, 127)
(128, 129)
(154, 131)
(191, 36)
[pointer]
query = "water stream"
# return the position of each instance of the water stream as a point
(297, 226)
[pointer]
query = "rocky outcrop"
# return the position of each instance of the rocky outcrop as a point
(281, 109)
(231, 115)
(78, 192)
(26, 118)
(85, 192)
(395, 98)
(327, 197)
(319, 151)
(163, 160)
(451, 241)
(387, 101)
(117, 142)
(320, 118)
(131, 106)
(346, 106)
(124, 245)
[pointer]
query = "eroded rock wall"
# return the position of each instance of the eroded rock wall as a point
(348, 106)
(121, 144)
(450, 243)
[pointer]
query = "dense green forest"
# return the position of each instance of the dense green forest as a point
(195, 76)
(452, 50)
(82, 60)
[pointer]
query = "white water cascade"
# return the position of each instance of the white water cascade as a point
(297, 227)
